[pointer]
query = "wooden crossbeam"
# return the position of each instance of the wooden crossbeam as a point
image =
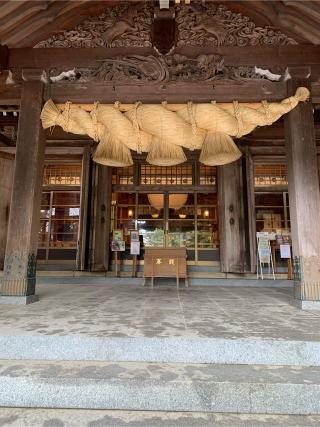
(5, 140)
(176, 93)
(261, 56)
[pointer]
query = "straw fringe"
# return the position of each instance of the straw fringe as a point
(110, 152)
(219, 149)
(49, 114)
(165, 154)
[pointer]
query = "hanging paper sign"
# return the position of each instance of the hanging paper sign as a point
(135, 248)
(285, 251)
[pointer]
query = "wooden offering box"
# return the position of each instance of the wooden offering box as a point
(165, 262)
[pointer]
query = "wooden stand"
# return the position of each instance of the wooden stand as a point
(116, 261)
(274, 248)
(134, 266)
(165, 262)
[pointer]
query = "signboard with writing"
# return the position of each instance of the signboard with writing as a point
(165, 262)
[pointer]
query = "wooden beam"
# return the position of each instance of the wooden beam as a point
(68, 58)
(5, 140)
(10, 95)
(261, 55)
(8, 120)
(5, 155)
(221, 91)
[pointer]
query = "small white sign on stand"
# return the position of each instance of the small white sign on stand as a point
(264, 255)
(135, 248)
(285, 251)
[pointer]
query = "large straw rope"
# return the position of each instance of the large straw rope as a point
(163, 133)
(166, 125)
(121, 128)
(73, 120)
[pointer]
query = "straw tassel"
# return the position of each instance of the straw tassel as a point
(110, 152)
(218, 149)
(165, 154)
(50, 115)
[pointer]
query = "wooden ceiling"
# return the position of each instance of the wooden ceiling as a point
(24, 23)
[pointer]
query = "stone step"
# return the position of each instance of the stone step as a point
(31, 417)
(217, 279)
(161, 387)
(160, 349)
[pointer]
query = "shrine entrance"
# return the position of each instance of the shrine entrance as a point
(186, 216)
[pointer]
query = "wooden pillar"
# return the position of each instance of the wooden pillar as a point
(101, 218)
(251, 211)
(304, 196)
(84, 207)
(6, 177)
(231, 225)
(22, 240)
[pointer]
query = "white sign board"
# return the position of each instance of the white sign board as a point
(264, 255)
(285, 251)
(264, 252)
(135, 248)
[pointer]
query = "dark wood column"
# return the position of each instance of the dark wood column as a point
(251, 211)
(304, 194)
(6, 176)
(84, 210)
(101, 218)
(231, 224)
(22, 240)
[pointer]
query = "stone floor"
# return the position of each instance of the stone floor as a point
(20, 417)
(115, 310)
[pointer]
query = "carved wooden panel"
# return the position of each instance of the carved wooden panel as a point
(125, 24)
(214, 25)
(160, 69)
(129, 24)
